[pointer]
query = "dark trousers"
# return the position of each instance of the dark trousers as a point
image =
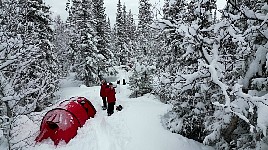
(110, 109)
(104, 102)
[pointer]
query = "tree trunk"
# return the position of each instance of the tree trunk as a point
(228, 132)
(9, 114)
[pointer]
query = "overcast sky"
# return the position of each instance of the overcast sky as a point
(58, 7)
(130, 4)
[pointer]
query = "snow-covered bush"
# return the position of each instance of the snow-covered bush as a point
(141, 80)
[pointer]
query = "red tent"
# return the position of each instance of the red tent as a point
(61, 123)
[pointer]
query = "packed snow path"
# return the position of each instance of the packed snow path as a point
(137, 127)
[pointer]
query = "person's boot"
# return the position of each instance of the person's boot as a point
(104, 108)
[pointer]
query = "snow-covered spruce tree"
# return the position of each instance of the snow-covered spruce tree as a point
(121, 50)
(83, 43)
(197, 90)
(10, 45)
(141, 80)
(111, 38)
(124, 51)
(130, 26)
(28, 78)
(144, 52)
(42, 69)
(144, 31)
(172, 10)
(145, 15)
(124, 22)
(172, 48)
(124, 35)
(119, 32)
(103, 36)
(175, 13)
(197, 82)
(100, 25)
(32, 74)
(108, 33)
(60, 41)
(130, 30)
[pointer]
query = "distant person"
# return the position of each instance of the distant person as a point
(103, 93)
(111, 99)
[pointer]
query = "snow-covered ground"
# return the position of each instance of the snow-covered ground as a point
(137, 127)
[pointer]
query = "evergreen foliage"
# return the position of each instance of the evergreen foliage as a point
(124, 32)
(31, 66)
(145, 15)
(28, 65)
(87, 58)
(100, 24)
(60, 40)
(144, 31)
(119, 32)
(141, 80)
(212, 71)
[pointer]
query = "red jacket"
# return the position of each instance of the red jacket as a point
(103, 90)
(111, 95)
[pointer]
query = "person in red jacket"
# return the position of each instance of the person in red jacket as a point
(111, 99)
(103, 93)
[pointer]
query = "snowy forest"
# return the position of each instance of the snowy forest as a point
(210, 65)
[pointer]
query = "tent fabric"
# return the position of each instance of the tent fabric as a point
(62, 122)
(91, 111)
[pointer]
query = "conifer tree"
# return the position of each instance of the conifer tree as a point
(124, 31)
(130, 31)
(144, 46)
(124, 23)
(174, 12)
(83, 46)
(145, 15)
(100, 24)
(108, 35)
(60, 41)
(144, 31)
(37, 36)
(124, 53)
(130, 26)
(141, 80)
(119, 32)
(29, 73)
(10, 45)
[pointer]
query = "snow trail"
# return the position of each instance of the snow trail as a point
(137, 127)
